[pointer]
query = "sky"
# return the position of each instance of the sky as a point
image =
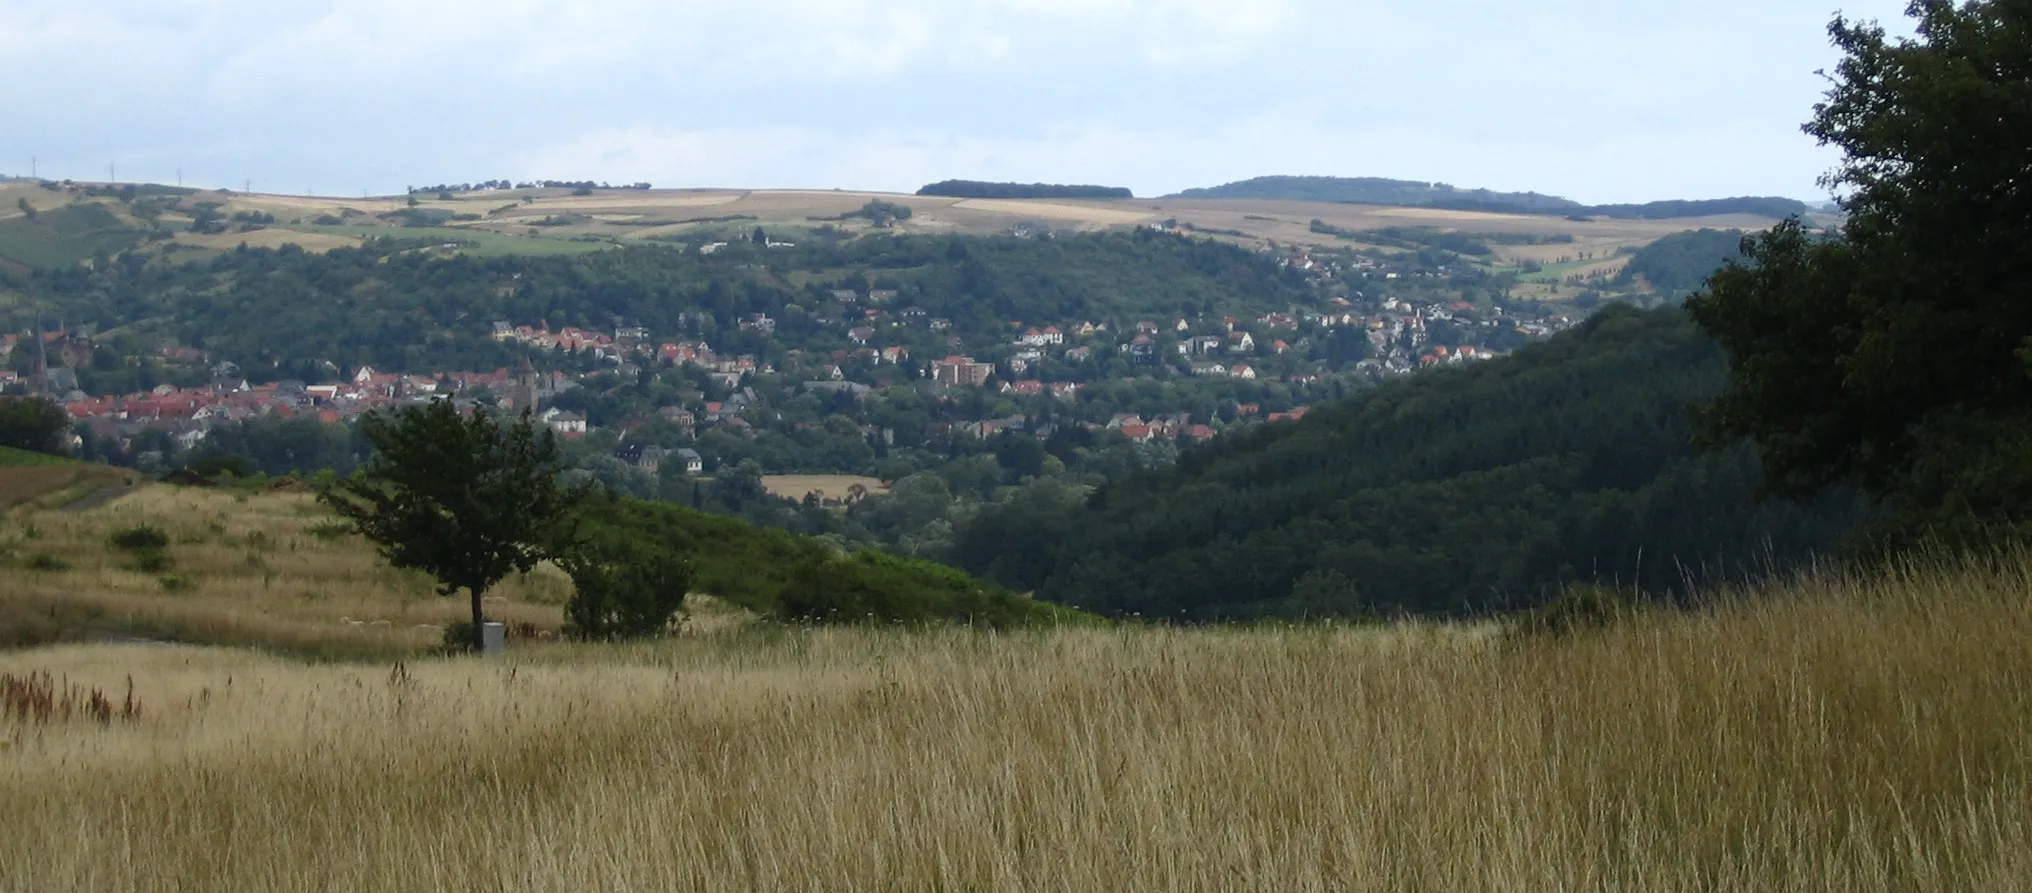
(1595, 100)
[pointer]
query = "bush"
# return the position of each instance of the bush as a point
(457, 638)
(623, 588)
(223, 465)
(176, 583)
(874, 587)
(43, 561)
(140, 538)
(1579, 608)
(153, 561)
(331, 530)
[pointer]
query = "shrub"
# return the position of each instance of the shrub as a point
(330, 530)
(623, 588)
(176, 583)
(1581, 607)
(43, 561)
(874, 587)
(457, 638)
(152, 561)
(140, 538)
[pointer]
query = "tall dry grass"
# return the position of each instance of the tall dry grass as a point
(1838, 735)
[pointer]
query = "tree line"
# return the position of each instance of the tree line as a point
(980, 189)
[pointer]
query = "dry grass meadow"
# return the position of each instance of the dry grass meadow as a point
(1852, 735)
(271, 569)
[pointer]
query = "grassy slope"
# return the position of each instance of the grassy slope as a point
(13, 458)
(1857, 735)
(265, 570)
(65, 236)
(51, 481)
(274, 570)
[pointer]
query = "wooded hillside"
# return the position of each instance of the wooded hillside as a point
(1449, 493)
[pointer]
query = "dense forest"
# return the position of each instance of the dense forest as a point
(1450, 493)
(1372, 190)
(979, 189)
(1762, 206)
(1679, 264)
(1381, 191)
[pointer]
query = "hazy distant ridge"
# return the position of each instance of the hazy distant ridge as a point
(1382, 191)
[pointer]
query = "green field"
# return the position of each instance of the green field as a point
(65, 236)
(13, 458)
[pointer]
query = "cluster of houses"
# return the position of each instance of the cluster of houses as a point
(632, 344)
(1397, 332)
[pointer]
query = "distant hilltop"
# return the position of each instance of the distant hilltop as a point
(979, 189)
(1413, 193)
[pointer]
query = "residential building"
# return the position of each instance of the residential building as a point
(565, 422)
(961, 370)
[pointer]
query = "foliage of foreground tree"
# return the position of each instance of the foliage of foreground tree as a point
(460, 496)
(1897, 354)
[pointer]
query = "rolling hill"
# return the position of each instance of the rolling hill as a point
(1412, 193)
(74, 221)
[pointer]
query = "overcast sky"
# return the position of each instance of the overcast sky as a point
(1596, 100)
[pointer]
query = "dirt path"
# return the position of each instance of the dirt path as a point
(98, 498)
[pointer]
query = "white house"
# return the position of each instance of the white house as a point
(563, 421)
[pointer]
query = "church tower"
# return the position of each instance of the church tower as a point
(38, 362)
(523, 399)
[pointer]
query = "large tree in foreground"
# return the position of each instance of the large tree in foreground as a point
(1896, 354)
(463, 497)
(36, 424)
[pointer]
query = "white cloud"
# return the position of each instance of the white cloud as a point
(1604, 168)
(1602, 99)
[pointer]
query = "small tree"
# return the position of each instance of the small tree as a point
(36, 424)
(462, 497)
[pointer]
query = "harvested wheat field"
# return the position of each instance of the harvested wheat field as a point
(827, 486)
(1852, 736)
